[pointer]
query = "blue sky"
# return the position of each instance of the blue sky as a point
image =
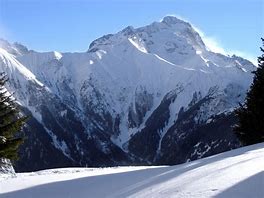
(70, 25)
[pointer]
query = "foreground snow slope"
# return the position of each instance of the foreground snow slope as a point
(238, 173)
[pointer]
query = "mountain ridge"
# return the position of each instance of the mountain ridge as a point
(133, 97)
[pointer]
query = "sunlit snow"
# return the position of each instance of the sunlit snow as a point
(238, 173)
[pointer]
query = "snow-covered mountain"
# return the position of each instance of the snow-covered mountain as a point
(149, 95)
(234, 174)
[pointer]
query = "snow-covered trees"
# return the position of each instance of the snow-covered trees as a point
(10, 123)
(250, 129)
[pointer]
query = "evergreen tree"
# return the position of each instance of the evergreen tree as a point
(250, 129)
(10, 123)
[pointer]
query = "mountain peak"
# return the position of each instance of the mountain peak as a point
(171, 26)
(15, 48)
(172, 20)
(129, 30)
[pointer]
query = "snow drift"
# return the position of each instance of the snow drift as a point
(237, 174)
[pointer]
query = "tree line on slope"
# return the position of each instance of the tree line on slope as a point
(250, 129)
(11, 122)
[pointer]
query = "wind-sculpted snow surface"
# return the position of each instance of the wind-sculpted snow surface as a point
(148, 95)
(237, 173)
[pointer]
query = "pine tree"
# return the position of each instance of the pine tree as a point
(250, 129)
(10, 123)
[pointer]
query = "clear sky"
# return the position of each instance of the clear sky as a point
(71, 25)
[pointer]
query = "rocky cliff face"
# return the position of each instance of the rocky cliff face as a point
(150, 95)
